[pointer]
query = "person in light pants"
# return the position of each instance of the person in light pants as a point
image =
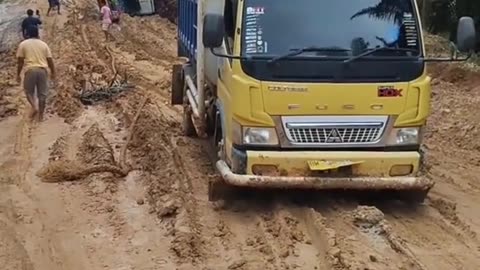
(106, 15)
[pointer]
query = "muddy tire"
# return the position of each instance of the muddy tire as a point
(218, 189)
(180, 52)
(178, 83)
(412, 196)
(187, 124)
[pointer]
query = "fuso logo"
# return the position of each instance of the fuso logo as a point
(389, 91)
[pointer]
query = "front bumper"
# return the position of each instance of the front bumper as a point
(371, 174)
(355, 183)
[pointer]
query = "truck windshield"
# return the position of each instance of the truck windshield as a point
(276, 27)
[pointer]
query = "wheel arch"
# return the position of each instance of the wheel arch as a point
(221, 111)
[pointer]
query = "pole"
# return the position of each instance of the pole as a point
(200, 65)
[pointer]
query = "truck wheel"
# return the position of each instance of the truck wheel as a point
(217, 189)
(178, 83)
(187, 123)
(180, 50)
(413, 196)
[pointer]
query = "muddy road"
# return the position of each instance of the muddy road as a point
(145, 206)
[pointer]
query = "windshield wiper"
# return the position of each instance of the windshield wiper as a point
(371, 51)
(298, 51)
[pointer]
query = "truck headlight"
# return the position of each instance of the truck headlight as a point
(405, 136)
(254, 135)
(259, 136)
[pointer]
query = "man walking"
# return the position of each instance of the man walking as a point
(36, 57)
(52, 4)
(29, 21)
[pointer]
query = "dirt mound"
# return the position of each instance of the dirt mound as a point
(436, 46)
(455, 108)
(464, 74)
(78, 67)
(151, 151)
(58, 149)
(67, 170)
(61, 170)
(65, 105)
(95, 155)
(65, 102)
(367, 216)
(461, 75)
(150, 145)
(156, 36)
(95, 148)
(7, 108)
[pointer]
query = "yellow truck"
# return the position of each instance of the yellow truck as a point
(309, 94)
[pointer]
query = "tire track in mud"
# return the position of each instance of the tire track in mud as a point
(263, 232)
(434, 239)
(419, 237)
(29, 219)
(196, 237)
(453, 182)
(291, 240)
(13, 253)
(353, 236)
(31, 222)
(448, 210)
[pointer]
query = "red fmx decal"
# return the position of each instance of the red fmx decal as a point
(389, 91)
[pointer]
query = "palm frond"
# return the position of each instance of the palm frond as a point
(385, 10)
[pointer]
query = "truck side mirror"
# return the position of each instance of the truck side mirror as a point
(466, 35)
(213, 31)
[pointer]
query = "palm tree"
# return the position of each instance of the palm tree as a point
(386, 10)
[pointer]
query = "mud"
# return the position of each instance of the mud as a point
(117, 177)
(8, 96)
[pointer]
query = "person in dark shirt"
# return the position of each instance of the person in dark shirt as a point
(52, 4)
(29, 21)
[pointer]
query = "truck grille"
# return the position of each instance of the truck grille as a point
(334, 135)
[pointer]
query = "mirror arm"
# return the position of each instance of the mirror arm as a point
(212, 50)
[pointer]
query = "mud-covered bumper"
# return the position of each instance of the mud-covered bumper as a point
(376, 165)
(355, 183)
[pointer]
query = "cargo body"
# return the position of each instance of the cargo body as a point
(301, 104)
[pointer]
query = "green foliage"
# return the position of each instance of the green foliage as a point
(442, 15)
(386, 9)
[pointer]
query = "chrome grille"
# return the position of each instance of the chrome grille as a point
(335, 135)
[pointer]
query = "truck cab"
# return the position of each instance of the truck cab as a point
(313, 94)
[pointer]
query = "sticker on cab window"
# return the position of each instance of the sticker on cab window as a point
(410, 26)
(255, 10)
